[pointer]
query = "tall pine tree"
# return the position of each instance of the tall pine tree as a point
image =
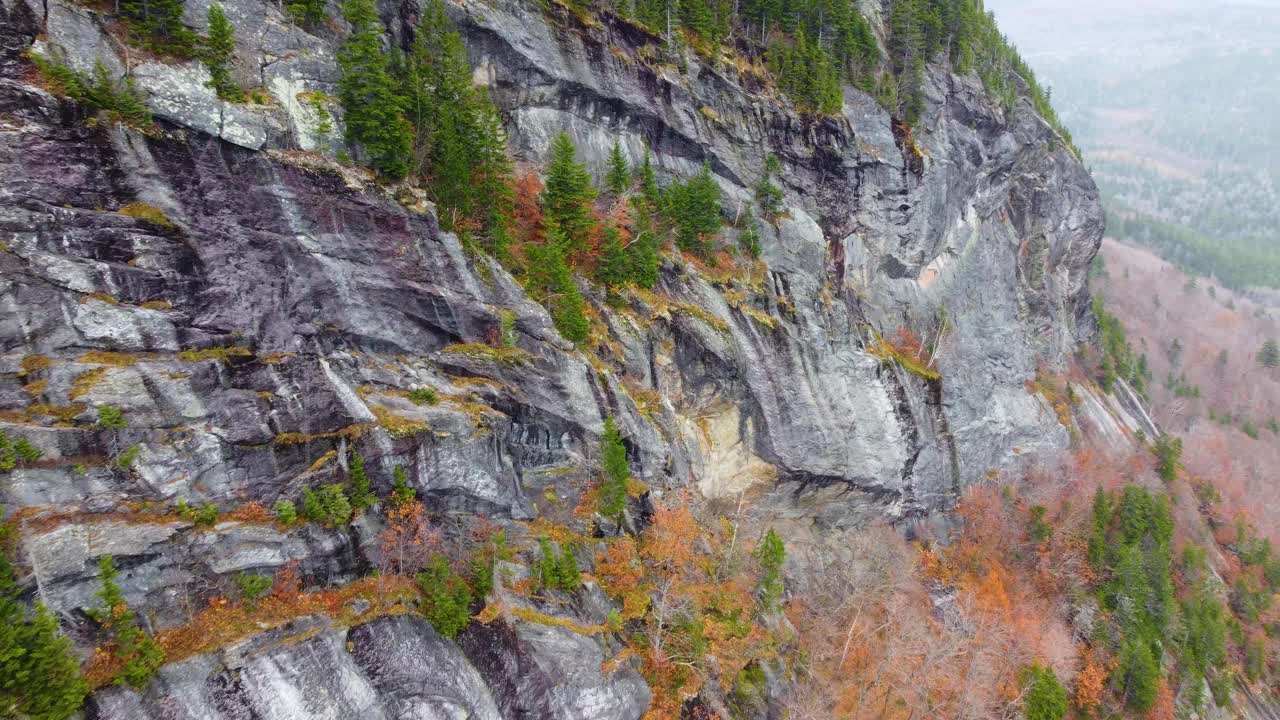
(39, 672)
(613, 489)
(369, 96)
(157, 25)
(568, 195)
(217, 55)
(619, 178)
(614, 268)
(694, 208)
(550, 281)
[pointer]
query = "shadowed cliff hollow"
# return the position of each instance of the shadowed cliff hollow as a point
(271, 310)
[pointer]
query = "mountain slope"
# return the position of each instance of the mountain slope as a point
(260, 313)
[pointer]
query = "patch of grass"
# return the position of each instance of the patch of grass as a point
(100, 297)
(471, 381)
(398, 426)
(35, 387)
(33, 363)
(221, 354)
(64, 413)
(108, 357)
(423, 396)
(350, 432)
(85, 382)
(510, 356)
(223, 622)
(277, 358)
(530, 615)
(763, 318)
(890, 353)
(156, 305)
(323, 460)
(147, 213)
(663, 307)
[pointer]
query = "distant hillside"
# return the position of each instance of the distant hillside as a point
(1174, 106)
(1201, 344)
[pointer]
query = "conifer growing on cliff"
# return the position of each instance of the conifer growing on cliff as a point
(619, 178)
(217, 55)
(568, 196)
(372, 106)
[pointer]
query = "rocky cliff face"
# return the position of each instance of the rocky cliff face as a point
(325, 298)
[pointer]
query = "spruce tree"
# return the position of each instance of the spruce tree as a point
(141, 655)
(1269, 355)
(648, 180)
(39, 672)
(643, 251)
(771, 554)
(619, 178)
(695, 210)
(550, 281)
(568, 196)
(360, 495)
(369, 97)
(568, 576)
(309, 13)
(157, 25)
(1045, 698)
(613, 491)
(217, 55)
(769, 195)
(8, 458)
(614, 267)
(749, 234)
(459, 140)
(548, 575)
(401, 493)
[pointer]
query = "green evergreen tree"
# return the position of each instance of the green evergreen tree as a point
(614, 267)
(613, 491)
(141, 655)
(157, 25)
(217, 55)
(285, 511)
(771, 554)
(459, 140)
(308, 13)
(695, 209)
(769, 195)
(27, 452)
(648, 180)
(749, 234)
(643, 250)
(1045, 698)
(1168, 450)
(446, 597)
(369, 97)
(1269, 355)
(568, 576)
(328, 506)
(550, 281)
(8, 459)
(568, 196)
(619, 178)
(548, 575)
(401, 493)
(360, 496)
(110, 418)
(1137, 676)
(39, 671)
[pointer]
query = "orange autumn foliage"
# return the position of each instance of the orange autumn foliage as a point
(223, 623)
(1091, 681)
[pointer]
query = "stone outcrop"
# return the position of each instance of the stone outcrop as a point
(278, 307)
